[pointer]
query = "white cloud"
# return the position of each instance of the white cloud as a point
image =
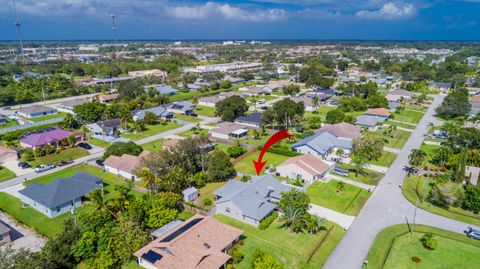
(215, 11)
(389, 11)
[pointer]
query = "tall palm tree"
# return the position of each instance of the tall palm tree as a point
(315, 102)
(291, 216)
(416, 157)
(125, 117)
(149, 180)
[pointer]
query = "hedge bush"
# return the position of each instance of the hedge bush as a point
(267, 221)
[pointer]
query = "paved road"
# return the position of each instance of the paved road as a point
(98, 153)
(388, 206)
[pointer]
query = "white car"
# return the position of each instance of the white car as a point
(262, 101)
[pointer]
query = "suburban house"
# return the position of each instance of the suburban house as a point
(307, 102)
(190, 194)
(235, 80)
(225, 130)
(440, 86)
(369, 122)
(50, 137)
(181, 107)
(145, 73)
(5, 233)
(3, 119)
(107, 98)
(397, 95)
(306, 168)
(61, 195)
(7, 154)
(70, 104)
(125, 165)
(255, 90)
(159, 111)
(279, 84)
(475, 102)
(342, 130)
(253, 120)
(224, 95)
(199, 242)
(107, 127)
(209, 101)
(322, 97)
(36, 111)
(322, 144)
(251, 201)
(162, 89)
(381, 113)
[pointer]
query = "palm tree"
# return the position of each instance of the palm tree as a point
(148, 180)
(125, 117)
(416, 157)
(97, 198)
(292, 217)
(315, 224)
(315, 102)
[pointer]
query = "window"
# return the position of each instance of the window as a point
(227, 209)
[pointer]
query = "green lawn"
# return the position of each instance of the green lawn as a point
(246, 165)
(290, 249)
(349, 201)
(398, 124)
(6, 174)
(409, 116)
(154, 146)
(187, 118)
(222, 147)
(414, 185)
(98, 142)
(49, 117)
(206, 192)
(416, 107)
(10, 123)
(190, 133)
(398, 139)
(386, 159)
(206, 111)
(256, 142)
(366, 176)
(152, 130)
(428, 149)
(320, 112)
(394, 247)
(66, 154)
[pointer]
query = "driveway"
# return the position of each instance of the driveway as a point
(341, 219)
(21, 236)
(13, 166)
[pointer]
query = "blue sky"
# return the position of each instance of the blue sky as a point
(253, 19)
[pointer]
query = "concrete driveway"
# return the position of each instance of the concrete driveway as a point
(21, 236)
(13, 166)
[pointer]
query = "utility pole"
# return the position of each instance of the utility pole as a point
(414, 215)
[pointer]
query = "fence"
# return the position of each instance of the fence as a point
(195, 210)
(30, 124)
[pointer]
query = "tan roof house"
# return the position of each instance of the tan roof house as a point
(307, 168)
(125, 165)
(198, 243)
(225, 130)
(107, 98)
(343, 130)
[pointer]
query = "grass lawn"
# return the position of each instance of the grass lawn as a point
(398, 139)
(394, 247)
(367, 176)
(402, 125)
(349, 201)
(6, 174)
(49, 117)
(414, 185)
(98, 142)
(206, 192)
(222, 147)
(320, 112)
(246, 165)
(256, 142)
(10, 123)
(290, 249)
(258, 98)
(152, 130)
(386, 159)
(66, 154)
(206, 111)
(154, 146)
(187, 118)
(428, 149)
(409, 116)
(416, 107)
(190, 133)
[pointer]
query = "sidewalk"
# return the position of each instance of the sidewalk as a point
(351, 182)
(345, 221)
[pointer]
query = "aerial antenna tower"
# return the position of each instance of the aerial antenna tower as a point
(114, 29)
(19, 31)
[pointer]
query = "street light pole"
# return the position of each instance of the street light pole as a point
(414, 215)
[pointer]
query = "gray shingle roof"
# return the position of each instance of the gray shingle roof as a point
(61, 191)
(322, 142)
(253, 198)
(367, 120)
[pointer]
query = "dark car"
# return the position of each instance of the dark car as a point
(99, 162)
(63, 163)
(194, 114)
(472, 233)
(264, 108)
(84, 145)
(23, 165)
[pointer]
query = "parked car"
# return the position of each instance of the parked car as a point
(63, 163)
(336, 159)
(40, 168)
(472, 233)
(340, 171)
(194, 114)
(23, 165)
(262, 101)
(84, 145)
(99, 162)
(264, 107)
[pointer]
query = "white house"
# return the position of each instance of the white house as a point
(125, 165)
(306, 168)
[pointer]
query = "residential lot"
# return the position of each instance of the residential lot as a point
(409, 116)
(49, 117)
(348, 201)
(395, 246)
(206, 111)
(246, 165)
(397, 139)
(66, 154)
(152, 130)
(365, 176)
(5, 174)
(291, 249)
(386, 159)
(154, 146)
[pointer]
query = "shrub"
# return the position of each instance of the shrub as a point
(235, 151)
(268, 220)
(284, 150)
(27, 155)
(207, 202)
(416, 259)
(263, 260)
(245, 178)
(429, 242)
(237, 256)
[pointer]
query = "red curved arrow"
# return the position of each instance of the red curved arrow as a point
(280, 135)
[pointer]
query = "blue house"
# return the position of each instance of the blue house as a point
(321, 144)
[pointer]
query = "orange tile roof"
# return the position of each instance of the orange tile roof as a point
(199, 247)
(308, 163)
(378, 112)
